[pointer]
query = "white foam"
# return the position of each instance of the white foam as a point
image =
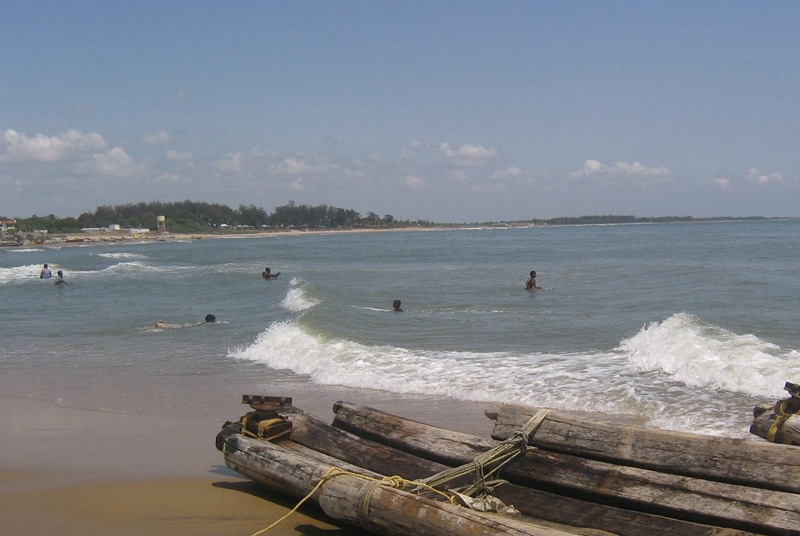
(708, 356)
(297, 299)
(121, 256)
(21, 273)
(676, 355)
(499, 377)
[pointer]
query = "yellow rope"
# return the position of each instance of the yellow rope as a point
(396, 482)
(781, 416)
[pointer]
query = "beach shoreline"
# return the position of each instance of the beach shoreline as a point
(113, 236)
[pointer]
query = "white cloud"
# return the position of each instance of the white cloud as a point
(459, 176)
(159, 137)
(508, 172)
(468, 155)
(232, 163)
(178, 155)
(290, 166)
(762, 178)
(166, 178)
(415, 183)
(722, 182)
(115, 162)
(297, 184)
(620, 169)
(69, 145)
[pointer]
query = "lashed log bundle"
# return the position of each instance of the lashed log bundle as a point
(388, 511)
(690, 499)
(787, 428)
(555, 484)
(738, 461)
(331, 445)
(779, 422)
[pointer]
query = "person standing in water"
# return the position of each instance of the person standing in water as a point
(530, 284)
(60, 278)
(45, 273)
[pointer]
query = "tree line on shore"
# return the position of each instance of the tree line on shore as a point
(196, 217)
(191, 216)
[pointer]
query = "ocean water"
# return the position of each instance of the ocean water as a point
(686, 325)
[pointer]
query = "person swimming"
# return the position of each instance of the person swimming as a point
(267, 274)
(530, 284)
(60, 278)
(45, 273)
(208, 319)
(396, 306)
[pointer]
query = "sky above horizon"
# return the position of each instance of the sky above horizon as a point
(445, 111)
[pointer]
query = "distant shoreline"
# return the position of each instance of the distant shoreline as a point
(66, 239)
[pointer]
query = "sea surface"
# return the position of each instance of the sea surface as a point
(686, 325)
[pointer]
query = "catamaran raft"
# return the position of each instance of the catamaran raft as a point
(543, 473)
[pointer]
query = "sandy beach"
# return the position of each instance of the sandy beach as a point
(78, 472)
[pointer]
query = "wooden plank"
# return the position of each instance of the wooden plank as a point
(680, 497)
(388, 511)
(746, 462)
(267, 403)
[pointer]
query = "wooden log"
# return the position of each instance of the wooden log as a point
(383, 510)
(680, 497)
(737, 461)
(788, 432)
(791, 428)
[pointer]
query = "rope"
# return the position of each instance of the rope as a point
(262, 427)
(781, 416)
(330, 474)
(494, 459)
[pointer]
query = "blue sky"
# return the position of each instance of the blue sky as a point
(446, 111)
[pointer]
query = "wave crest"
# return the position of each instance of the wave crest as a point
(297, 298)
(702, 355)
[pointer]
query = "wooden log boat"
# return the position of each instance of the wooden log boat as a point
(555, 491)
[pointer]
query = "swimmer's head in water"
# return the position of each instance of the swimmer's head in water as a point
(211, 318)
(396, 304)
(533, 273)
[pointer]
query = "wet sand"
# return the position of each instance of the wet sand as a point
(78, 472)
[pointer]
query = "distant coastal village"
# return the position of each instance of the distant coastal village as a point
(154, 220)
